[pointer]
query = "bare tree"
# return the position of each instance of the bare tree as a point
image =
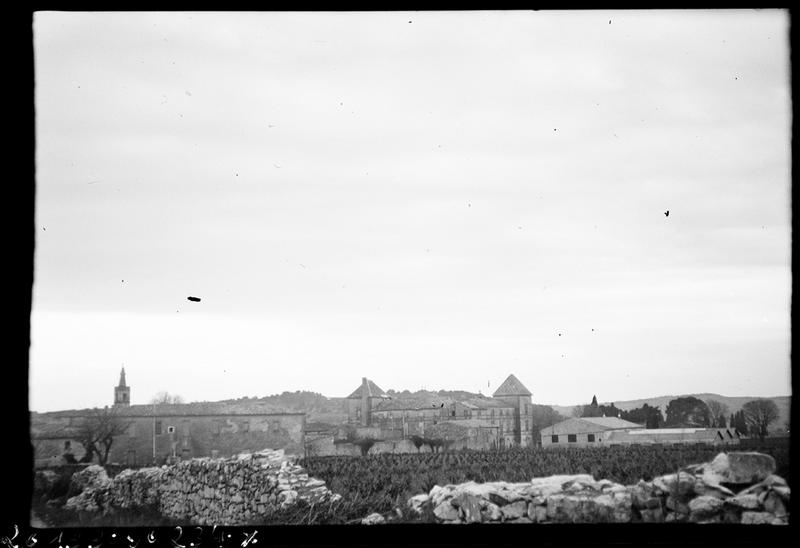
(166, 397)
(97, 433)
(759, 414)
(718, 411)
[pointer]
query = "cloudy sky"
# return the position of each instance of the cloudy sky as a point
(426, 199)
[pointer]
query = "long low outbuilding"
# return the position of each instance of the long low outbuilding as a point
(584, 432)
(594, 431)
(714, 436)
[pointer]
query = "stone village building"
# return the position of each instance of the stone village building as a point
(156, 432)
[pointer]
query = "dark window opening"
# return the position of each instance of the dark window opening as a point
(572, 438)
(158, 427)
(591, 437)
(554, 439)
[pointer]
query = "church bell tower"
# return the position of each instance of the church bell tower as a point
(122, 392)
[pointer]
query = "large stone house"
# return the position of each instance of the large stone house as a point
(504, 420)
(153, 433)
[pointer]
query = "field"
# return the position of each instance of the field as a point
(384, 481)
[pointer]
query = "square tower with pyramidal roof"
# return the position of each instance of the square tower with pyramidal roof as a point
(514, 393)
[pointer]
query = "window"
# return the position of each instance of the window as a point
(554, 439)
(591, 437)
(246, 426)
(572, 438)
(158, 427)
(170, 429)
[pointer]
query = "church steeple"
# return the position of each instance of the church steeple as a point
(122, 392)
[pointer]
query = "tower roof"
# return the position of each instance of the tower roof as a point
(511, 387)
(122, 379)
(373, 391)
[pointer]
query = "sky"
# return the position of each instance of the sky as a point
(431, 200)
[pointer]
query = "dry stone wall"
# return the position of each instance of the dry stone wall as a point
(733, 488)
(204, 491)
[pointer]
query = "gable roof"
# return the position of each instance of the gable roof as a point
(512, 387)
(611, 422)
(589, 425)
(373, 391)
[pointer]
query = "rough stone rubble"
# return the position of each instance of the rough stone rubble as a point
(732, 488)
(204, 491)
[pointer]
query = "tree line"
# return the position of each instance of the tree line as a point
(753, 419)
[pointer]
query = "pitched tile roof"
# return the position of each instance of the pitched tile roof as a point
(373, 391)
(611, 422)
(512, 387)
(589, 425)
(179, 409)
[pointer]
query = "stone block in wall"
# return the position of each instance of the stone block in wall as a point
(748, 501)
(491, 512)
(537, 514)
(514, 510)
(705, 506)
(739, 468)
(446, 511)
(469, 507)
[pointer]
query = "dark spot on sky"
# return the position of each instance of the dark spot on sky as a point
(193, 299)
(609, 21)
(43, 228)
(409, 21)
(188, 94)
(666, 213)
(559, 334)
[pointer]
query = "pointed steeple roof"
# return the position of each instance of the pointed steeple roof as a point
(122, 379)
(511, 387)
(373, 391)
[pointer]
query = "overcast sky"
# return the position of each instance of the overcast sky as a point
(426, 199)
